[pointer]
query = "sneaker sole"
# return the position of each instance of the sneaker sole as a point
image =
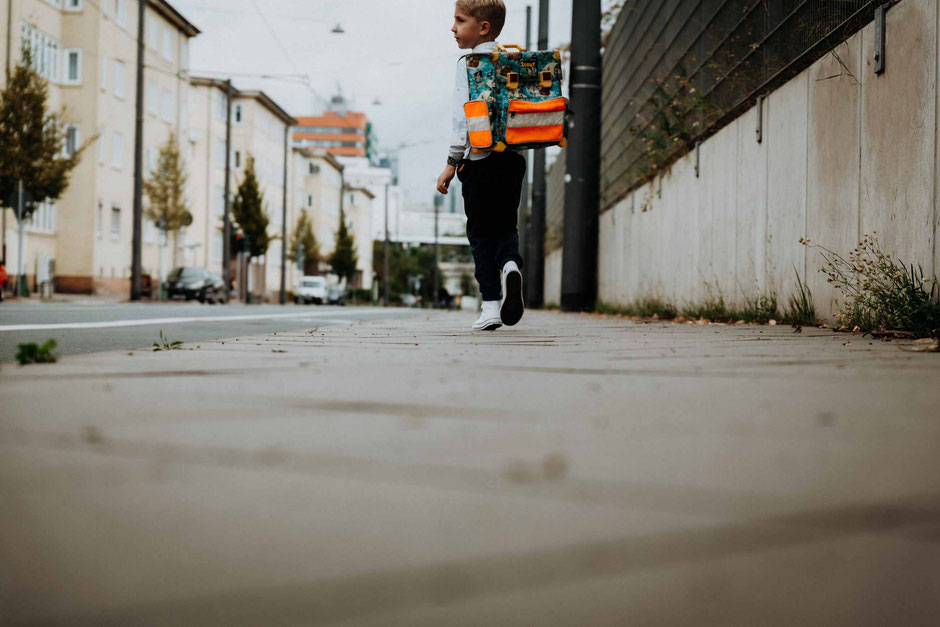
(513, 307)
(490, 327)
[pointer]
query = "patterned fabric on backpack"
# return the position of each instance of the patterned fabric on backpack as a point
(515, 100)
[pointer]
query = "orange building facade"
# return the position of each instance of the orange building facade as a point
(339, 135)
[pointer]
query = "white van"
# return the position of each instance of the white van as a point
(312, 289)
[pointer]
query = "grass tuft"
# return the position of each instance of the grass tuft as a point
(33, 353)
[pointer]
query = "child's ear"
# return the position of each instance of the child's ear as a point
(485, 28)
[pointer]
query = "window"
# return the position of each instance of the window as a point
(117, 150)
(221, 107)
(101, 146)
(119, 78)
(115, 223)
(56, 3)
(166, 105)
(220, 153)
(184, 54)
(151, 159)
(217, 247)
(73, 5)
(309, 200)
(45, 51)
(120, 12)
(238, 160)
(103, 72)
(71, 140)
(73, 67)
(99, 225)
(237, 114)
(153, 32)
(151, 98)
(219, 200)
(166, 49)
(314, 168)
(149, 229)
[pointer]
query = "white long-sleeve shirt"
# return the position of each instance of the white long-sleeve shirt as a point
(460, 140)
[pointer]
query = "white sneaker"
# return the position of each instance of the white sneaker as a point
(489, 318)
(511, 307)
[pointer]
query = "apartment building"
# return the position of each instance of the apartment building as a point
(338, 133)
(317, 182)
(87, 51)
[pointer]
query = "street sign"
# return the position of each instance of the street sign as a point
(13, 202)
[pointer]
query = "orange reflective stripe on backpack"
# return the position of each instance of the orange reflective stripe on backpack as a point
(535, 122)
(478, 123)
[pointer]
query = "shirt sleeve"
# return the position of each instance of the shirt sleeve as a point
(460, 140)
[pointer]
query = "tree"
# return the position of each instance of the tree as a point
(405, 264)
(344, 260)
(248, 212)
(166, 193)
(304, 242)
(32, 139)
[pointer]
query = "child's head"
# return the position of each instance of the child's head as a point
(478, 21)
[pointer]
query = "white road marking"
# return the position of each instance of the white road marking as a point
(158, 321)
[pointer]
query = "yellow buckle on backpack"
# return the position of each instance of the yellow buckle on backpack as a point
(546, 79)
(512, 80)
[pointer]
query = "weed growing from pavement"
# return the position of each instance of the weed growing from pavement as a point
(880, 292)
(33, 353)
(165, 344)
(801, 311)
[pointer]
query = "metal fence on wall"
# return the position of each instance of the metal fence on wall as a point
(676, 71)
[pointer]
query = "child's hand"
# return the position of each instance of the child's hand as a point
(443, 181)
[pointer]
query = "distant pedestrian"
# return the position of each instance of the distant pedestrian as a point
(492, 181)
(3, 279)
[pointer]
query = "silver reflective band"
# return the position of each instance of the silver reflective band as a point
(476, 125)
(548, 118)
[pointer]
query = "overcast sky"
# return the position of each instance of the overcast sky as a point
(401, 51)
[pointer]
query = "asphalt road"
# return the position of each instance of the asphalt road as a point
(89, 327)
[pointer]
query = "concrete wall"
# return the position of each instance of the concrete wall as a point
(844, 152)
(552, 294)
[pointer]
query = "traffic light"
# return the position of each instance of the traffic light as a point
(239, 243)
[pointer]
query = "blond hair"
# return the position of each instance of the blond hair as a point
(492, 11)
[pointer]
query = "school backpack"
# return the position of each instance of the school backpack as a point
(515, 100)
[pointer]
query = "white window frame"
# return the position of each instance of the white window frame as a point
(221, 106)
(115, 234)
(120, 79)
(100, 146)
(153, 31)
(120, 13)
(166, 105)
(69, 128)
(220, 153)
(99, 227)
(149, 230)
(151, 160)
(46, 51)
(73, 6)
(166, 44)
(103, 71)
(238, 113)
(153, 102)
(66, 56)
(117, 150)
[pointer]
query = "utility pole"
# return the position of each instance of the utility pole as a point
(3, 210)
(284, 223)
(227, 218)
(21, 287)
(535, 285)
(385, 273)
(582, 189)
(524, 199)
(138, 159)
(438, 201)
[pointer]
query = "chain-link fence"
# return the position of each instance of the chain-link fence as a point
(676, 71)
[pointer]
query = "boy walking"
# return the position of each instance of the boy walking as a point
(492, 181)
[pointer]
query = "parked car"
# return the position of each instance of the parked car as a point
(336, 295)
(311, 289)
(196, 283)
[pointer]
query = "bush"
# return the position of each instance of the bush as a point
(33, 353)
(882, 293)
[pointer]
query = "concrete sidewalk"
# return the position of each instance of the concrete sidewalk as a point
(575, 470)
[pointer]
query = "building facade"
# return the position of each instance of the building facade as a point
(87, 52)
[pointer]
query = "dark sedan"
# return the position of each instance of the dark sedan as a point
(196, 284)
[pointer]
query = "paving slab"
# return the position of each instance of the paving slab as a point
(574, 470)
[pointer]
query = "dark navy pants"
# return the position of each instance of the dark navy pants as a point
(491, 191)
